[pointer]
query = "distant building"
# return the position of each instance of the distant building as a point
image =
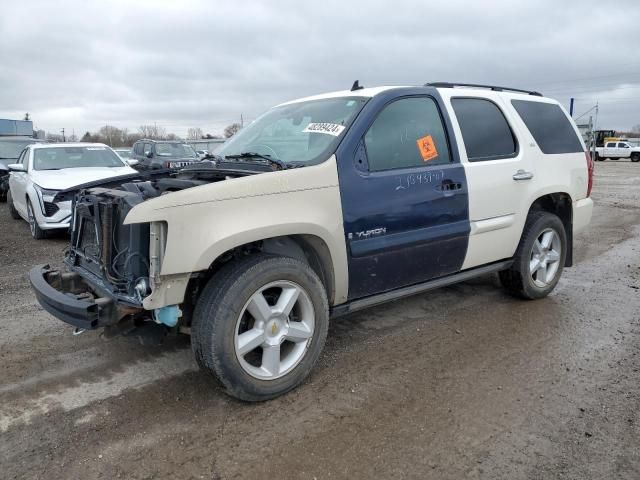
(22, 128)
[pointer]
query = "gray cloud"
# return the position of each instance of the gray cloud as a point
(80, 65)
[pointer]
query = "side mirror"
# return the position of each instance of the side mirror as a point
(131, 161)
(149, 154)
(16, 167)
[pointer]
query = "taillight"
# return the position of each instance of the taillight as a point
(590, 170)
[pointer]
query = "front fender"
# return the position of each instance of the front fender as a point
(205, 222)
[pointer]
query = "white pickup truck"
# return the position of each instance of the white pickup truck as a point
(617, 150)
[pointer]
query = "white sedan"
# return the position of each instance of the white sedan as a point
(42, 170)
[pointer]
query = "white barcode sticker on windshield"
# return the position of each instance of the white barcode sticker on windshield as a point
(328, 128)
(95, 148)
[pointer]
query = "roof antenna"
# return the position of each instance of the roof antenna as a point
(356, 86)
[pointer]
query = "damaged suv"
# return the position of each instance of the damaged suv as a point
(320, 207)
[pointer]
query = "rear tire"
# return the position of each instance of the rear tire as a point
(280, 307)
(539, 259)
(597, 157)
(12, 209)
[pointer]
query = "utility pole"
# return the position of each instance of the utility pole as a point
(571, 102)
(62, 130)
(241, 121)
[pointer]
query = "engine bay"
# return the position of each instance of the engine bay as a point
(115, 257)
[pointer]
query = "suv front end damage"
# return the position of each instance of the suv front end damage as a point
(113, 269)
(108, 263)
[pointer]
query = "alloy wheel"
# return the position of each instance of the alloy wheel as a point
(274, 330)
(545, 257)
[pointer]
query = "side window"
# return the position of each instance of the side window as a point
(549, 125)
(407, 133)
(137, 149)
(611, 145)
(147, 148)
(623, 145)
(485, 131)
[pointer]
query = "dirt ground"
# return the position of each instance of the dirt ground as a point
(463, 382)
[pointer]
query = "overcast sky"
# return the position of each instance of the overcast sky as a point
(187, 63)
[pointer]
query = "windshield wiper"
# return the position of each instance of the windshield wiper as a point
(272, 161)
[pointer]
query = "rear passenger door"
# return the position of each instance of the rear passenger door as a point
(499, 176)
(610, 150)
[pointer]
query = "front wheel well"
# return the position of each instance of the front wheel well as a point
(559, 204)
(310, 249)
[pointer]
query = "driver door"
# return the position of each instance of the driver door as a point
(18, 184)
(404, 200)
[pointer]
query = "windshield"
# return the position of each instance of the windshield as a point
(11, 149)
(74, 157)
(303, 132)
(175, 150)
(124, 153)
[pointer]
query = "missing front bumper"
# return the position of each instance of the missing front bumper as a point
(68, 297)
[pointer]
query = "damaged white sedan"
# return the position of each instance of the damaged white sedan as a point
(44, 170)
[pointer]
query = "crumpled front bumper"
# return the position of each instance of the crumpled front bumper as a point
(67, 296)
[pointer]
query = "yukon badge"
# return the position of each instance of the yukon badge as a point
(374, 232)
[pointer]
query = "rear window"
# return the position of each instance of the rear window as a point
(549, 126)
(485, 131)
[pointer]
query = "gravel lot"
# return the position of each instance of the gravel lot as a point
(463, 382)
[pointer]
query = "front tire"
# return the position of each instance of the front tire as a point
(260, 325)
(635, 157)
(539, 259)
(36, 232)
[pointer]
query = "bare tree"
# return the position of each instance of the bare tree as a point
(54, 137)
(231, 130)
(153, 132)
(194, 133)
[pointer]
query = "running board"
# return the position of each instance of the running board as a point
(367, 302)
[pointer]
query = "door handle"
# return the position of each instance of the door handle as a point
(449, 186)
(522, 175)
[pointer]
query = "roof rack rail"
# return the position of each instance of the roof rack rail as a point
(475, 85)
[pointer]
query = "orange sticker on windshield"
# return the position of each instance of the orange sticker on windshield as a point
(427, 148)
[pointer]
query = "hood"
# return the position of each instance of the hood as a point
(261, 186)
(70, 177)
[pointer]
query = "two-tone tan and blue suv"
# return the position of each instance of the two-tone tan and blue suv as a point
(323, 206)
